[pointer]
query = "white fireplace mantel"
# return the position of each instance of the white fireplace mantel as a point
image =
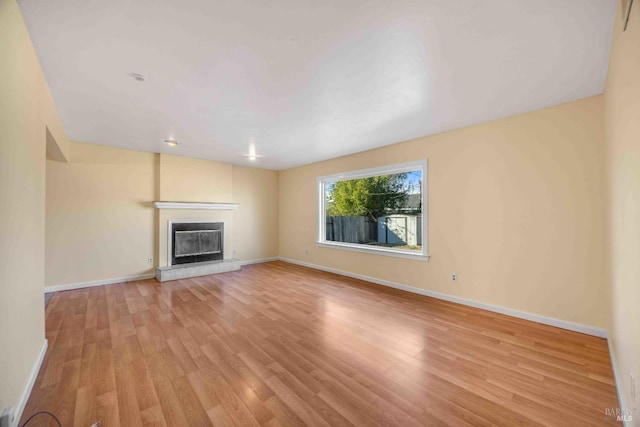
(195, 205)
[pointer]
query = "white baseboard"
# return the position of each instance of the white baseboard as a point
(27, 390)
(80, 285)
(259, 261)
(616, 378)
(564, 324)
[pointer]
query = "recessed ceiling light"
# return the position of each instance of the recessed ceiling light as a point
(252, 152)
(171, 142)
(137, 77)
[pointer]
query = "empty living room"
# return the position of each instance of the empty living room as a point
(334, 213)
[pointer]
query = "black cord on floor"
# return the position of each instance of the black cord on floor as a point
(42, 412)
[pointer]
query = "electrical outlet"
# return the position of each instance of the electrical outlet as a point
(306, 251)
(150, 260)
(454, 277)
(6, 418)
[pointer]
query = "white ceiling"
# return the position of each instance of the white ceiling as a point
(309, 80)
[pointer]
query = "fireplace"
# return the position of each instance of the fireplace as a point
(194, 239)
(196, 242)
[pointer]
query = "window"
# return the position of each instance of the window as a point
(380, 210)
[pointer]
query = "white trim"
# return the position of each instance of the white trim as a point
(371, 249)
(564, 324)
(30, 383)
(80, 285)
(380, 170)
(191, 205)
(259, 261)
(616, 378)
(321, 181)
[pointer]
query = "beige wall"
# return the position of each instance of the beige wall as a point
(515, 209)
(622, 122)
(100, 223)
(256, 220)
(26, 111)
(185, 179)
(99, 217)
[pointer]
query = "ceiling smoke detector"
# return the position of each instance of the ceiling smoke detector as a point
(137, 77)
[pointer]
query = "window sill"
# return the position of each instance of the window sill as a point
(375, 250)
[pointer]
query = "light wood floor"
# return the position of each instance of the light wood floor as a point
(276, 344)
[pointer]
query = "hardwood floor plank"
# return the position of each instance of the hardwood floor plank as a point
(171, 407)
(191, 407)
(225, 367)
(66, 393)
(219, 418)
(126, 392)
(282, 412)
(88, 365)
(105, 371)
(144, 389)
(107, 412)
(279, 345)
(153, 416)
(54, 366)
(86, 406)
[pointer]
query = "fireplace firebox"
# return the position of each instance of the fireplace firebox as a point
(196, 242)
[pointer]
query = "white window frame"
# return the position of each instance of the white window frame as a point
(366, 173)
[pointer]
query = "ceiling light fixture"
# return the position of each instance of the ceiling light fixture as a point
(251, 157)
(171, 142)
(252, 152)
